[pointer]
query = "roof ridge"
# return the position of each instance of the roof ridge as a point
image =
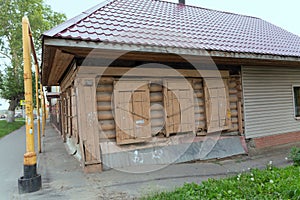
(210, 9)
(76, 19)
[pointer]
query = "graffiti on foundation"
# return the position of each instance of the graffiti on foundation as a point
(157, 153)
(91, 118)
(138, 157)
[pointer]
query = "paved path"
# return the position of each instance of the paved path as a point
(63, 178)
(12, 149)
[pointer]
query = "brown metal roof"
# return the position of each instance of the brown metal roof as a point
(165, 24)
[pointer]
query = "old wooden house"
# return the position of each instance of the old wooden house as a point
(154, 82)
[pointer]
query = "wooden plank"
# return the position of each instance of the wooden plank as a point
(59, 66)
(132, 111)
(88, 126)
(179, 105)
(151, 72)
(218, 113)
(240, 117)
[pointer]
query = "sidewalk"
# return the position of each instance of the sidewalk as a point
(63, 178)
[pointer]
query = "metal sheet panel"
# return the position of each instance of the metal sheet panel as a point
(268, 100)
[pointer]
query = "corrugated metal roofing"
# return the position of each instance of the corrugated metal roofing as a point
(165, 24)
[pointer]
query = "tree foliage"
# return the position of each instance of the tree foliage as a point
(41, 18)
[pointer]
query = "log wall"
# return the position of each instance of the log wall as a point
(106, 116)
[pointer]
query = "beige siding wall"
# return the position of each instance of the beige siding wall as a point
(268, 100)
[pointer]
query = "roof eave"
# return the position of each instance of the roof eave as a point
(170, 50)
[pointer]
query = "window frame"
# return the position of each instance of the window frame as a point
(294, 103)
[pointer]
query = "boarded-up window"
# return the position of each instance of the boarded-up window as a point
(132, 111)
(217, 104)
(179, 106)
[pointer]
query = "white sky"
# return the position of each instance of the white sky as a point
(284, 14)
(281, 13)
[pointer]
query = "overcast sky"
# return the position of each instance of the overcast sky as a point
(281, 13)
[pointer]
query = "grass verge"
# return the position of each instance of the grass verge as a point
(6, 128)
(271, 183)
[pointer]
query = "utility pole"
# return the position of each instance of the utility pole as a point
(31, 181)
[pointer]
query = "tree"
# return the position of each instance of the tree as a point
(41, 18)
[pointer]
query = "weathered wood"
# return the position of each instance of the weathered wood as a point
(240, 118)
(69, 78)
(132, 111)
(104, 107)
(156, 97)
(156, 106)
(104, 96)
(156, 88)
(157, 115)
(106, 80)
(88, 126)
(59, 66)
(151, 72)
(233, 99)
(198, 86)
(107, 126)
(178, 102)
(105, 88)
(107, 134)
(233, 91)
(198, 94)
(157, 122)
(105, 115)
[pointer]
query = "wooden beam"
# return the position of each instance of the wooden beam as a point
(149, 72)
(61, 61)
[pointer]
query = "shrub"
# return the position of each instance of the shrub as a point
(295, 155)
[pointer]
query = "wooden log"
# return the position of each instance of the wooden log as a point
(233, 91)
(105, 88)
(156, 129)
(197, 86)
(234, 127)
(156, 88)
(157, 115)
(233, 106)
(156, 97)
(199, 110)
(156, 106)
(240, 118)
(198, 94)
(157, 122)
(232, 84)
(104, 106)
(107, 125)
(234, 120)
(107, 134)
(106, 80)
(198, 102)
(104, 96)
(234, 113)
(200, 118)
(105, 115)
(233, 98)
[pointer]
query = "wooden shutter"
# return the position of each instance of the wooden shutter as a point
(132, 111)
(218, 115)
(179, 105)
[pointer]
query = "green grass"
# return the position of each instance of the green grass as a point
(271, 183)
(6, 128)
